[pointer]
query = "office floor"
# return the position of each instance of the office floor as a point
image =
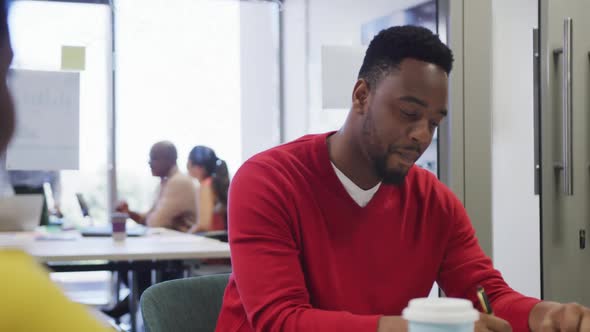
(91, 288)
(94, 289)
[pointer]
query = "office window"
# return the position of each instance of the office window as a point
(180, 69)
(187, 71)
(39, 29)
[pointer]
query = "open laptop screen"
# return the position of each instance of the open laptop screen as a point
(20, 212)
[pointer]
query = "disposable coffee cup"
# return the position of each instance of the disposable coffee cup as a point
(118, 222)
(440, 315)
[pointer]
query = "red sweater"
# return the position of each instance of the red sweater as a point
(307, 258)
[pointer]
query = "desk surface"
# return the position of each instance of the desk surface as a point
(159, 244)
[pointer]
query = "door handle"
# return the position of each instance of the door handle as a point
(566, 107)
(536, 111)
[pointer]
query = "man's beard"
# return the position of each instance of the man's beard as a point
(388, 176)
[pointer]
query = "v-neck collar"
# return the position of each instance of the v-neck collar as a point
(334, 183)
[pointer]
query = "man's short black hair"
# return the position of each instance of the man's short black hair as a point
(390, 46)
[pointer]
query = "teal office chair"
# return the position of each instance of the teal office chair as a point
(190, 305)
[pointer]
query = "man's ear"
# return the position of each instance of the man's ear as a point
(360, 96)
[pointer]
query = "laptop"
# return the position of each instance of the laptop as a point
(106, 230)
(103, 230)
(83, 205)
(20, 213)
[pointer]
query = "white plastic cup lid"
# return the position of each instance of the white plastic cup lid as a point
(442, 310)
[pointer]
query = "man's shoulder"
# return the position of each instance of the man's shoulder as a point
(180, 177)
(286, 163)
(301, 148)
(181, 180)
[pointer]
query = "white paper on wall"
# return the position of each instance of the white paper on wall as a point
(340, 67)
(47, 128)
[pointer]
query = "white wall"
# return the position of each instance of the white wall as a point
(295, 93)
(259, 70)
(515, 208)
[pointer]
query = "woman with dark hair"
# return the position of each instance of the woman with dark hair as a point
(211, 172)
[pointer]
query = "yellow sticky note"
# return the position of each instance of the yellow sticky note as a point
(73, 57)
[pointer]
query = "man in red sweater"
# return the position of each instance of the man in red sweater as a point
(337, 232)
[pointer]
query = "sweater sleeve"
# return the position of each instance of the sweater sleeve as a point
(266, 259)
(465, 267)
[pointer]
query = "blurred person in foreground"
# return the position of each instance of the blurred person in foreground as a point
(30, 301)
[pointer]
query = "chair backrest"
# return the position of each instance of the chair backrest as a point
(180, 305)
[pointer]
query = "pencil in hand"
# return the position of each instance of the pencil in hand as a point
(484, 301)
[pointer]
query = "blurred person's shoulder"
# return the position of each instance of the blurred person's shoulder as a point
(180, 179)
(22, 283)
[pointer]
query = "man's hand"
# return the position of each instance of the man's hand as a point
(56, 211)
(122, 207)
(488, 323)
(392, 324)
(551, 316)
